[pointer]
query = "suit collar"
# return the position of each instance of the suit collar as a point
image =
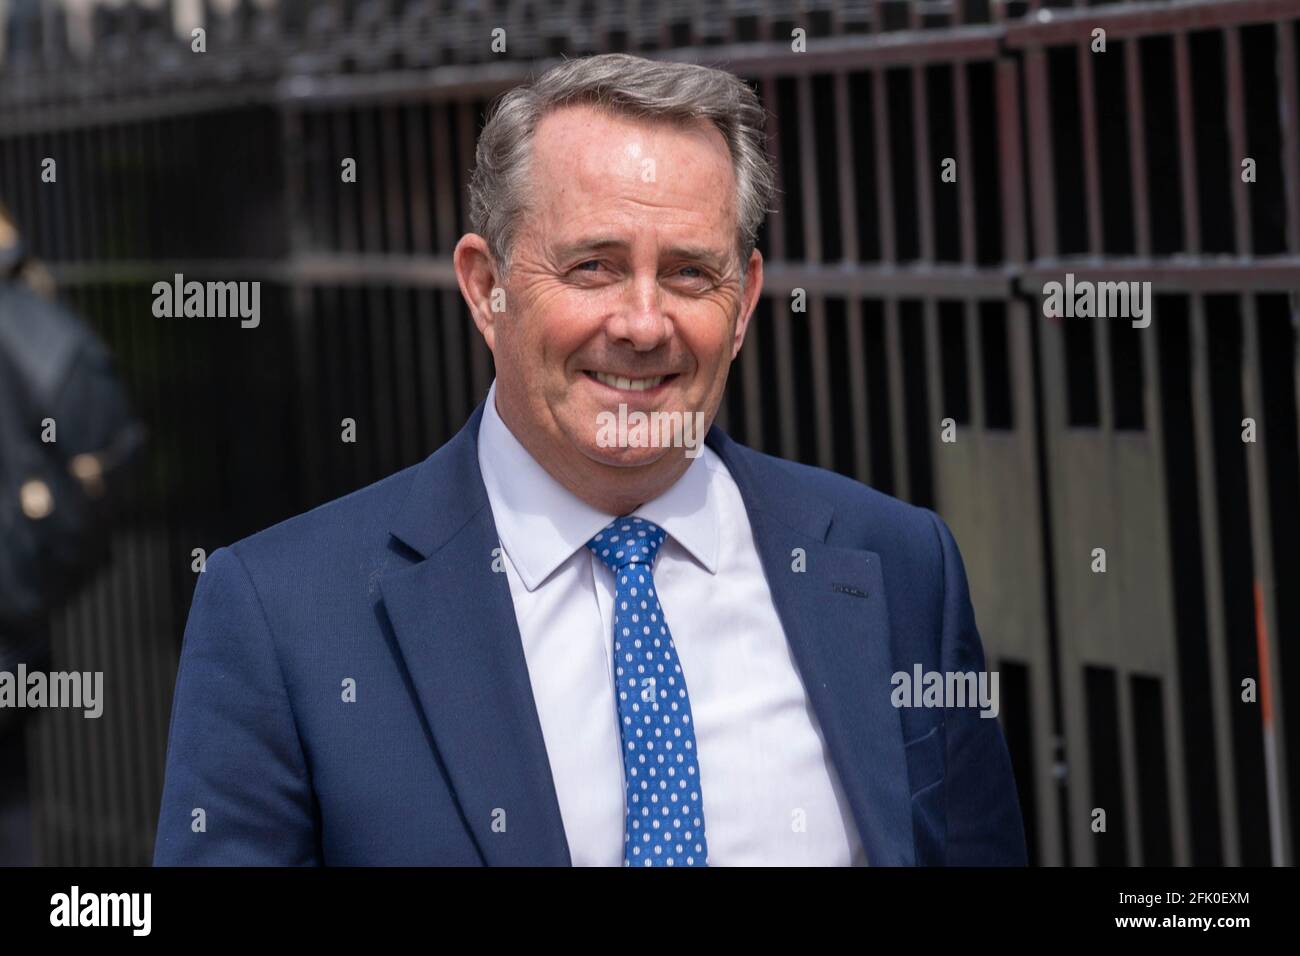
(832, 604)
(445, 492)
(542, 523)
(454, 621)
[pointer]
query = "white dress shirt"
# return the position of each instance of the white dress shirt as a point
(770, 793)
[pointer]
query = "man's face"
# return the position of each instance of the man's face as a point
(624, 285)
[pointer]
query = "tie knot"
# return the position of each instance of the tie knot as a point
(626, 541)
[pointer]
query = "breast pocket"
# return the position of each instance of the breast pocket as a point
(925, 759)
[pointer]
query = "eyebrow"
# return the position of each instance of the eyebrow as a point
(703, 254)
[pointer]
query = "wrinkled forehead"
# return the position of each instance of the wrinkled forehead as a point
(588, 162)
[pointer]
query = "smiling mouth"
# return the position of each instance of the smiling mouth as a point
(629, 384)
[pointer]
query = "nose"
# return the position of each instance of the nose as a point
(640, 321)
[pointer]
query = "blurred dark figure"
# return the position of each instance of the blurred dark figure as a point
(66, 437)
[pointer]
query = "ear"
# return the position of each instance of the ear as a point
(476, 273)
(753, 289)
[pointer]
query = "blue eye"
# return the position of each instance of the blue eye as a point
(589, 262)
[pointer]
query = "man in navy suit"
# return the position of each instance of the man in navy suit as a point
(560, 641)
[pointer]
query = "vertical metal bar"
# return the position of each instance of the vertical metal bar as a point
(924, 167)
(132, 657)
(858, 390)
(1071, 732)
(305, 328)
(130, 652)
(780, 312)
(846, 168)
(145, 185)
(1026, 416)
(309, 205)
(965, 164)
(148, 572)
(111, 200)
(58, 782)
(47, 198)
(58, 204)
(1040, 155)
(1288, 85)
(480, 374)
(397, 205)
(1105, 375)
(1187, 144)
(1012, 178)
(155, 153)
(812, 223)
(1207, 485)
(89, 646)
(1175, 769)
(388, 319)
(343, 147)
(897, 404)
(453, 355)
(1137, 148)
(25, 200)
(405, 377)
(813, 253)
(1128, 761)
(28, 199)
(417, 162)
(369, 176)
(144, 645)
(119, 635)
(782, 357)
(443, 178)
(975, 366)
(436, 426)
(1091, 162)
(377, 324)
(934, 385)
(58, 201)
(1262, 558)
(122, 633)
(1237, 145)
(821, 383)
(133, 203)
(884, 170)
(41, 789)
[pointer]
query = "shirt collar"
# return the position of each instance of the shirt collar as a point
(541, 523)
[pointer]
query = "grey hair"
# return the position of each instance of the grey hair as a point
(627, 86)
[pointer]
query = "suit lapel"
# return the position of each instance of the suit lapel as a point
(837, 622)
(454, 621)
(455, 626)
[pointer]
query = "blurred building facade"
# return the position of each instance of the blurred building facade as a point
(1120, 690)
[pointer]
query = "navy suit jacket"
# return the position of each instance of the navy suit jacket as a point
(392, 587)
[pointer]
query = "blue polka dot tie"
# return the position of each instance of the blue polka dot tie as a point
(664, 825)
